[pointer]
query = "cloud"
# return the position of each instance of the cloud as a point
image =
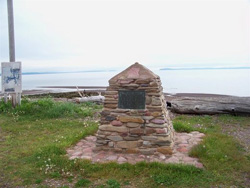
(109, 33)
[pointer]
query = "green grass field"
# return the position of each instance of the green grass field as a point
(34, 138)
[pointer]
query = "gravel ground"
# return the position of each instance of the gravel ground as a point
(240, 133)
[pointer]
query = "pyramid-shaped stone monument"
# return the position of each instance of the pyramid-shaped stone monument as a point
(135, 118)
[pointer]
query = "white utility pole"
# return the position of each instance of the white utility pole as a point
(11, 31)
(12, 72)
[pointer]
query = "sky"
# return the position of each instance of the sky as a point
(69, 35)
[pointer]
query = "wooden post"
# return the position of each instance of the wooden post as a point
(5, 98)
(19, 98)
(13, 99)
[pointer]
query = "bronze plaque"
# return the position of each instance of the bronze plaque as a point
(129, 99)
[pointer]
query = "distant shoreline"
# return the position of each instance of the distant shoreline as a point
(61, 72)
(205, 68)
(161, 69)
(96, 89)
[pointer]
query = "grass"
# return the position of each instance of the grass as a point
(47, 108)
(34, 138)
(82, 183)
(220, 154)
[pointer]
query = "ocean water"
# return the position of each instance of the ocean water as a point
(222, 81)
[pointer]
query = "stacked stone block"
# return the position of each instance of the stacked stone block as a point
(143, 131)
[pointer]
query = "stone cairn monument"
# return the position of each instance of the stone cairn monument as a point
(135, 118)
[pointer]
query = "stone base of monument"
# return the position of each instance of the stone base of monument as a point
(85, 149)
(135, 118)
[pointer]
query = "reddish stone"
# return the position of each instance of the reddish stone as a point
(183, 145)
(138, 160)
(158, 121)
(87, 151)
(184, 137)
(116, 123)
(77, 153)
(165, 150)
(172, 160)
(199, 165)
(161, 131)
(79, 144)
(133, 125)
(131, 119)
(111, 158)
(199, 135)
(149, 131)
(142, 156)
(86, 157)
(188, 159)
(183, 142)
(128, 81)
(121, 160)
(138, 131)
(90, 139)
(117, 150)
(133, 72)
(155, 114)
(124, 134)
(182, 149)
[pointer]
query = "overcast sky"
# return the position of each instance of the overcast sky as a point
(85, 35)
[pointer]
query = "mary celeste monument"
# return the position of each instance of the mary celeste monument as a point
(135, 118)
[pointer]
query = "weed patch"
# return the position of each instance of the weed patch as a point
(182, 127)
(112, 183)
(47, 108)
(83, 183)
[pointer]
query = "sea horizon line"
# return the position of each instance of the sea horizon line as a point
(112, 70)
